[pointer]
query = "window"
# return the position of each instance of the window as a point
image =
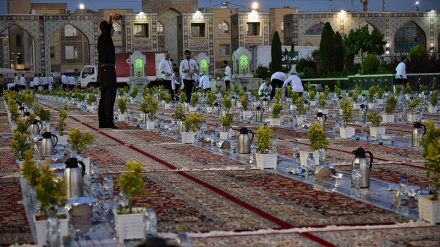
(52, 52)
(71, 52)
(117, 28)
(141, 30)
(234, 30)
(288, 31)
(159, 28)
(224, 50)
(69, 31)
(18, 40)
(223, 27)
(253, 29)
(198, 30)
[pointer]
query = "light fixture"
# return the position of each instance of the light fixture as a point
(81, 6)
(342, 14)
(417, 5)
(254, 6)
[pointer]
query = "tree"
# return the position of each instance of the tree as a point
(419, 58)
(276, 53)
(326, 50)
(339, 52)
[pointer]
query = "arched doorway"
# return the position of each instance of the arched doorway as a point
(408, 36)
(313, 35)
(19, 51)
(168, 20)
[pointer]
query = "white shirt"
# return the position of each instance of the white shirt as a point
(16, 80)
(71, 80)
(50, 79)
(227, 73)
(265, 90)
(22, 81)
(204, 82)
(64, 79)
(278, 75)
(166, 68)
(188, 68)
(44, 80)
(401, 70)
(175, 80)
(295, 83)
(36, 82)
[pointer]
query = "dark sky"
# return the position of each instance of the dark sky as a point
(265, 5)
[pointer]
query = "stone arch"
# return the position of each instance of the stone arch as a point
(407, 36)
(316, 29)
(21, 48)
(370, 25)
(168, 18)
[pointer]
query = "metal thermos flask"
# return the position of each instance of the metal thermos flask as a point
(360, 162)
(417, 133)
(244, 141)
(73, 178)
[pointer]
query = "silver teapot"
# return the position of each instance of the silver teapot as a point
(417, 134)
(259, 114)
(48, 144)
(73, 178)
(363, 112)
(216, 109)
(35, 127)
(322, 118)
(244, 141)
(360, 162)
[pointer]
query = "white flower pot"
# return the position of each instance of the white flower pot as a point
(192, 109)
(300, 120)
(90, 108)
(388, 118)
(411, 118)
(347, 132)
(303, 157)
(121, 117)
(356, 106)
(167, 106)
(188, 137)
(323, 111)
(275, 121)
(370, 105)
(129, 226)
(380, 101)
(312, 102)
(62, 139)
(41, 229)
(432, 109)
(86, 161)
(292, 107)
(266, 161)
(429, 210)
(149, 125)
(374, 131)
(223, 135)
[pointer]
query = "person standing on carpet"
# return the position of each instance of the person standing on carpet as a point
(107, 72)
(400, 79)
(188, 67)
(227, 75)
(166, 68)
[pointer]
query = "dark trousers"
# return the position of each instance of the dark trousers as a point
(188, 87)
(107, 79)
(167, 85)
(275, 84)
(227, 84)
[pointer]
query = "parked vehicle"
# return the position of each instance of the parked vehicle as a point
(88, 76)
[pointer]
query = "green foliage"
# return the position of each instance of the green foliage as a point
(322, 100)
(244, 103)
(131, 182)
(374, 118)
(227, 102)
(371, 92)
(62, 120)
(434, 98)
(276, 53)
(19, 144)
(122, 104)
(227, 119)
(347, 110)
(276, 109)
(178, 112)
(134, 92)
(413, 104)
(317, 136)
(379, 92)
(418, 55)
(264, 135)
(300, 107)
(391, 104)
(78, 139)
(309, 72)
(49, 187)
(262, 72)
(194, 99)
(371, 64)
(408, 89)
(431, 153)
(210, 98)
(150, 105)
(327, 54)
(42, 113)
(182, 97)
(192, 121)
(339, 51)
(91, 99)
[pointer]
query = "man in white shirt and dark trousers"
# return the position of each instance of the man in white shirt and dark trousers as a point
(188, 67)
(277, 79)
(295, 84)
(400, 79)
(205, 83)
(227, 75)
(166, 68)
(22, 82)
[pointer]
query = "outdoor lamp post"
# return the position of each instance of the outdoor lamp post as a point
(417, 5)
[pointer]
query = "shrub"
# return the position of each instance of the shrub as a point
(371, 64)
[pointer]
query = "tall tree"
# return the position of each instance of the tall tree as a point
(339, 52)
(326, 49)
(276, 53)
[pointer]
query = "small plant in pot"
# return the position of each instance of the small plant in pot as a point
(62, 121)
(244, 102)
(347, 116)
(226, 120)
(374, 118)
(318, 142)
(227, 102)
(131, 184)
(432, 108)
(412, 106)
(192, 121)
(210, 98)
(122, 105)
(264, 157)
(390, 105)
(91, 99)
(150, 105)
(134, 92)
(194, 99)
(78, 139)
(431, 153)
(20, 144)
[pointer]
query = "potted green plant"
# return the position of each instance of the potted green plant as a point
(226, 122)
(179, 116)
(429, 206)
(149, 107)
(193, 102)
(276, 112)
(168, 100)
(379, 95)
(371, 93)
(227, 102)
(20, 145)
(131, 185)
(347, 116)
(191, 122)
(210, 98)
(244, 103)
(78, 139)
(62, 123)
(49, 192)
(390, 105)
(322, 102)
(265, 159)
(122, 107)
(133, 93)
(408, 90)
(318, 141)
(91, 99)
(432, 107)
(412, 108)
(375, 129)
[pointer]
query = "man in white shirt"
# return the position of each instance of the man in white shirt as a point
(295, 83)
(400, 79)
(188, 67)
(265, 90)
(205, 83)
(71, 82)
(64, 81)
(50, 81)
(166, 68)
(35, 82)
(277, 79)
(45, 82)
(227, 75)
(14, 84)
(22, 82)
